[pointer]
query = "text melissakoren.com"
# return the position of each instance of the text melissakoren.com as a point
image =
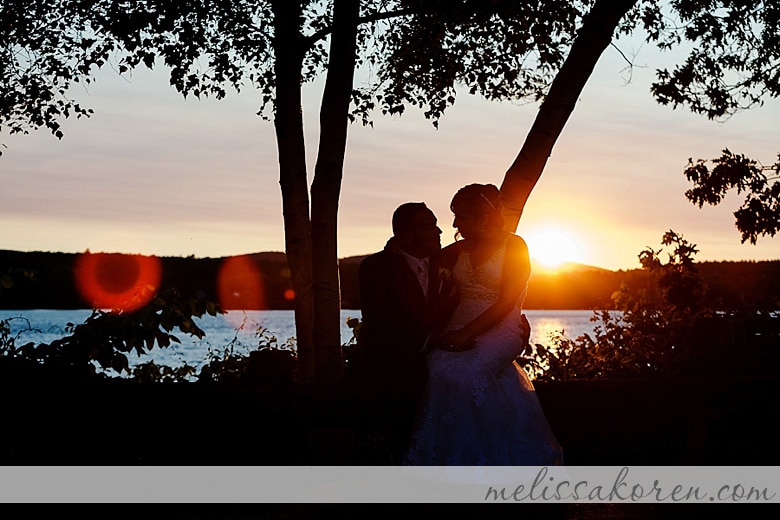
(547, 488)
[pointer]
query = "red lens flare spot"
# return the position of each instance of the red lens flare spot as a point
(289, 295)
(240, 285)
(117, 281)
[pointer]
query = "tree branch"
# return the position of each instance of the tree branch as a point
(375, 17)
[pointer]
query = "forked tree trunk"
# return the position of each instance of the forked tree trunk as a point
(591, 41)
(289, 52)
(326, 188)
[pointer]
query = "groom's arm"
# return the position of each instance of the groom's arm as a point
(376, 303)
(373, 291)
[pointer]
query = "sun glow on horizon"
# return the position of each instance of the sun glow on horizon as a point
(551, 249)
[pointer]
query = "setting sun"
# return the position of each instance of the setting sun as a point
(551, 249)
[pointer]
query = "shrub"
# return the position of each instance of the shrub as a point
(267, 362)
(652, 335)
(105, 338)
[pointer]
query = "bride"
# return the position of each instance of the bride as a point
(480, 408)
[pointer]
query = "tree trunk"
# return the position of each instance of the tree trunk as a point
(590, 43)
(289, 52)
(326, 188)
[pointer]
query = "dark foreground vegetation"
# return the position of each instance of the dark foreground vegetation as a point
(669, 382)
(712, 420)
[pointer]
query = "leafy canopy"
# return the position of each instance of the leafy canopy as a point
(734, 57)
(415, 52)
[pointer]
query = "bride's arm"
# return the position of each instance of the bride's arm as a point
(516, 270)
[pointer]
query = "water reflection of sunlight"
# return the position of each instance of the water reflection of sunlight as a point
(542, 329)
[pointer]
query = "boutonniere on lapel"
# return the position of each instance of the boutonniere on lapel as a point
(448, 291)
(446, 284)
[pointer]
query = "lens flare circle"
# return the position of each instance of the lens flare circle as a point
(240, 285)
(117, 281)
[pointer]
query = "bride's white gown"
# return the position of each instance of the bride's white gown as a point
(480, 408)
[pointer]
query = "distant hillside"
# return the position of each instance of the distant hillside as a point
(52, 286)
(50, 282)
(572, 286)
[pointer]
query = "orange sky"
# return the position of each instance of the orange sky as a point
(151, 173)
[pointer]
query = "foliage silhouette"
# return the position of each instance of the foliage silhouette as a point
(106, 338)
(668, 324)
(654, 333)
(759, 213)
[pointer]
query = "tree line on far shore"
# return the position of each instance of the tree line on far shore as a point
(44, 280)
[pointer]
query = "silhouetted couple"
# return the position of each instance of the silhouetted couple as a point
(441, 329)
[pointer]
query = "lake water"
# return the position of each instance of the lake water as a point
(240, 329)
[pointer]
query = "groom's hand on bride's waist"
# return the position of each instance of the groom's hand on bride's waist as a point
(455, 341)
(525, 329)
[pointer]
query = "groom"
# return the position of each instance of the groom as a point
(398, 299)
(398, 291)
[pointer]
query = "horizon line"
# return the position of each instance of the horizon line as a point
(540, 267)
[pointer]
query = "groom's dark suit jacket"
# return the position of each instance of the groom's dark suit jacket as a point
(396, 320)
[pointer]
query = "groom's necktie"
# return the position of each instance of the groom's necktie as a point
(422, 275)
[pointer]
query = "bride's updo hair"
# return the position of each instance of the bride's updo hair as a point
(479, 200)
